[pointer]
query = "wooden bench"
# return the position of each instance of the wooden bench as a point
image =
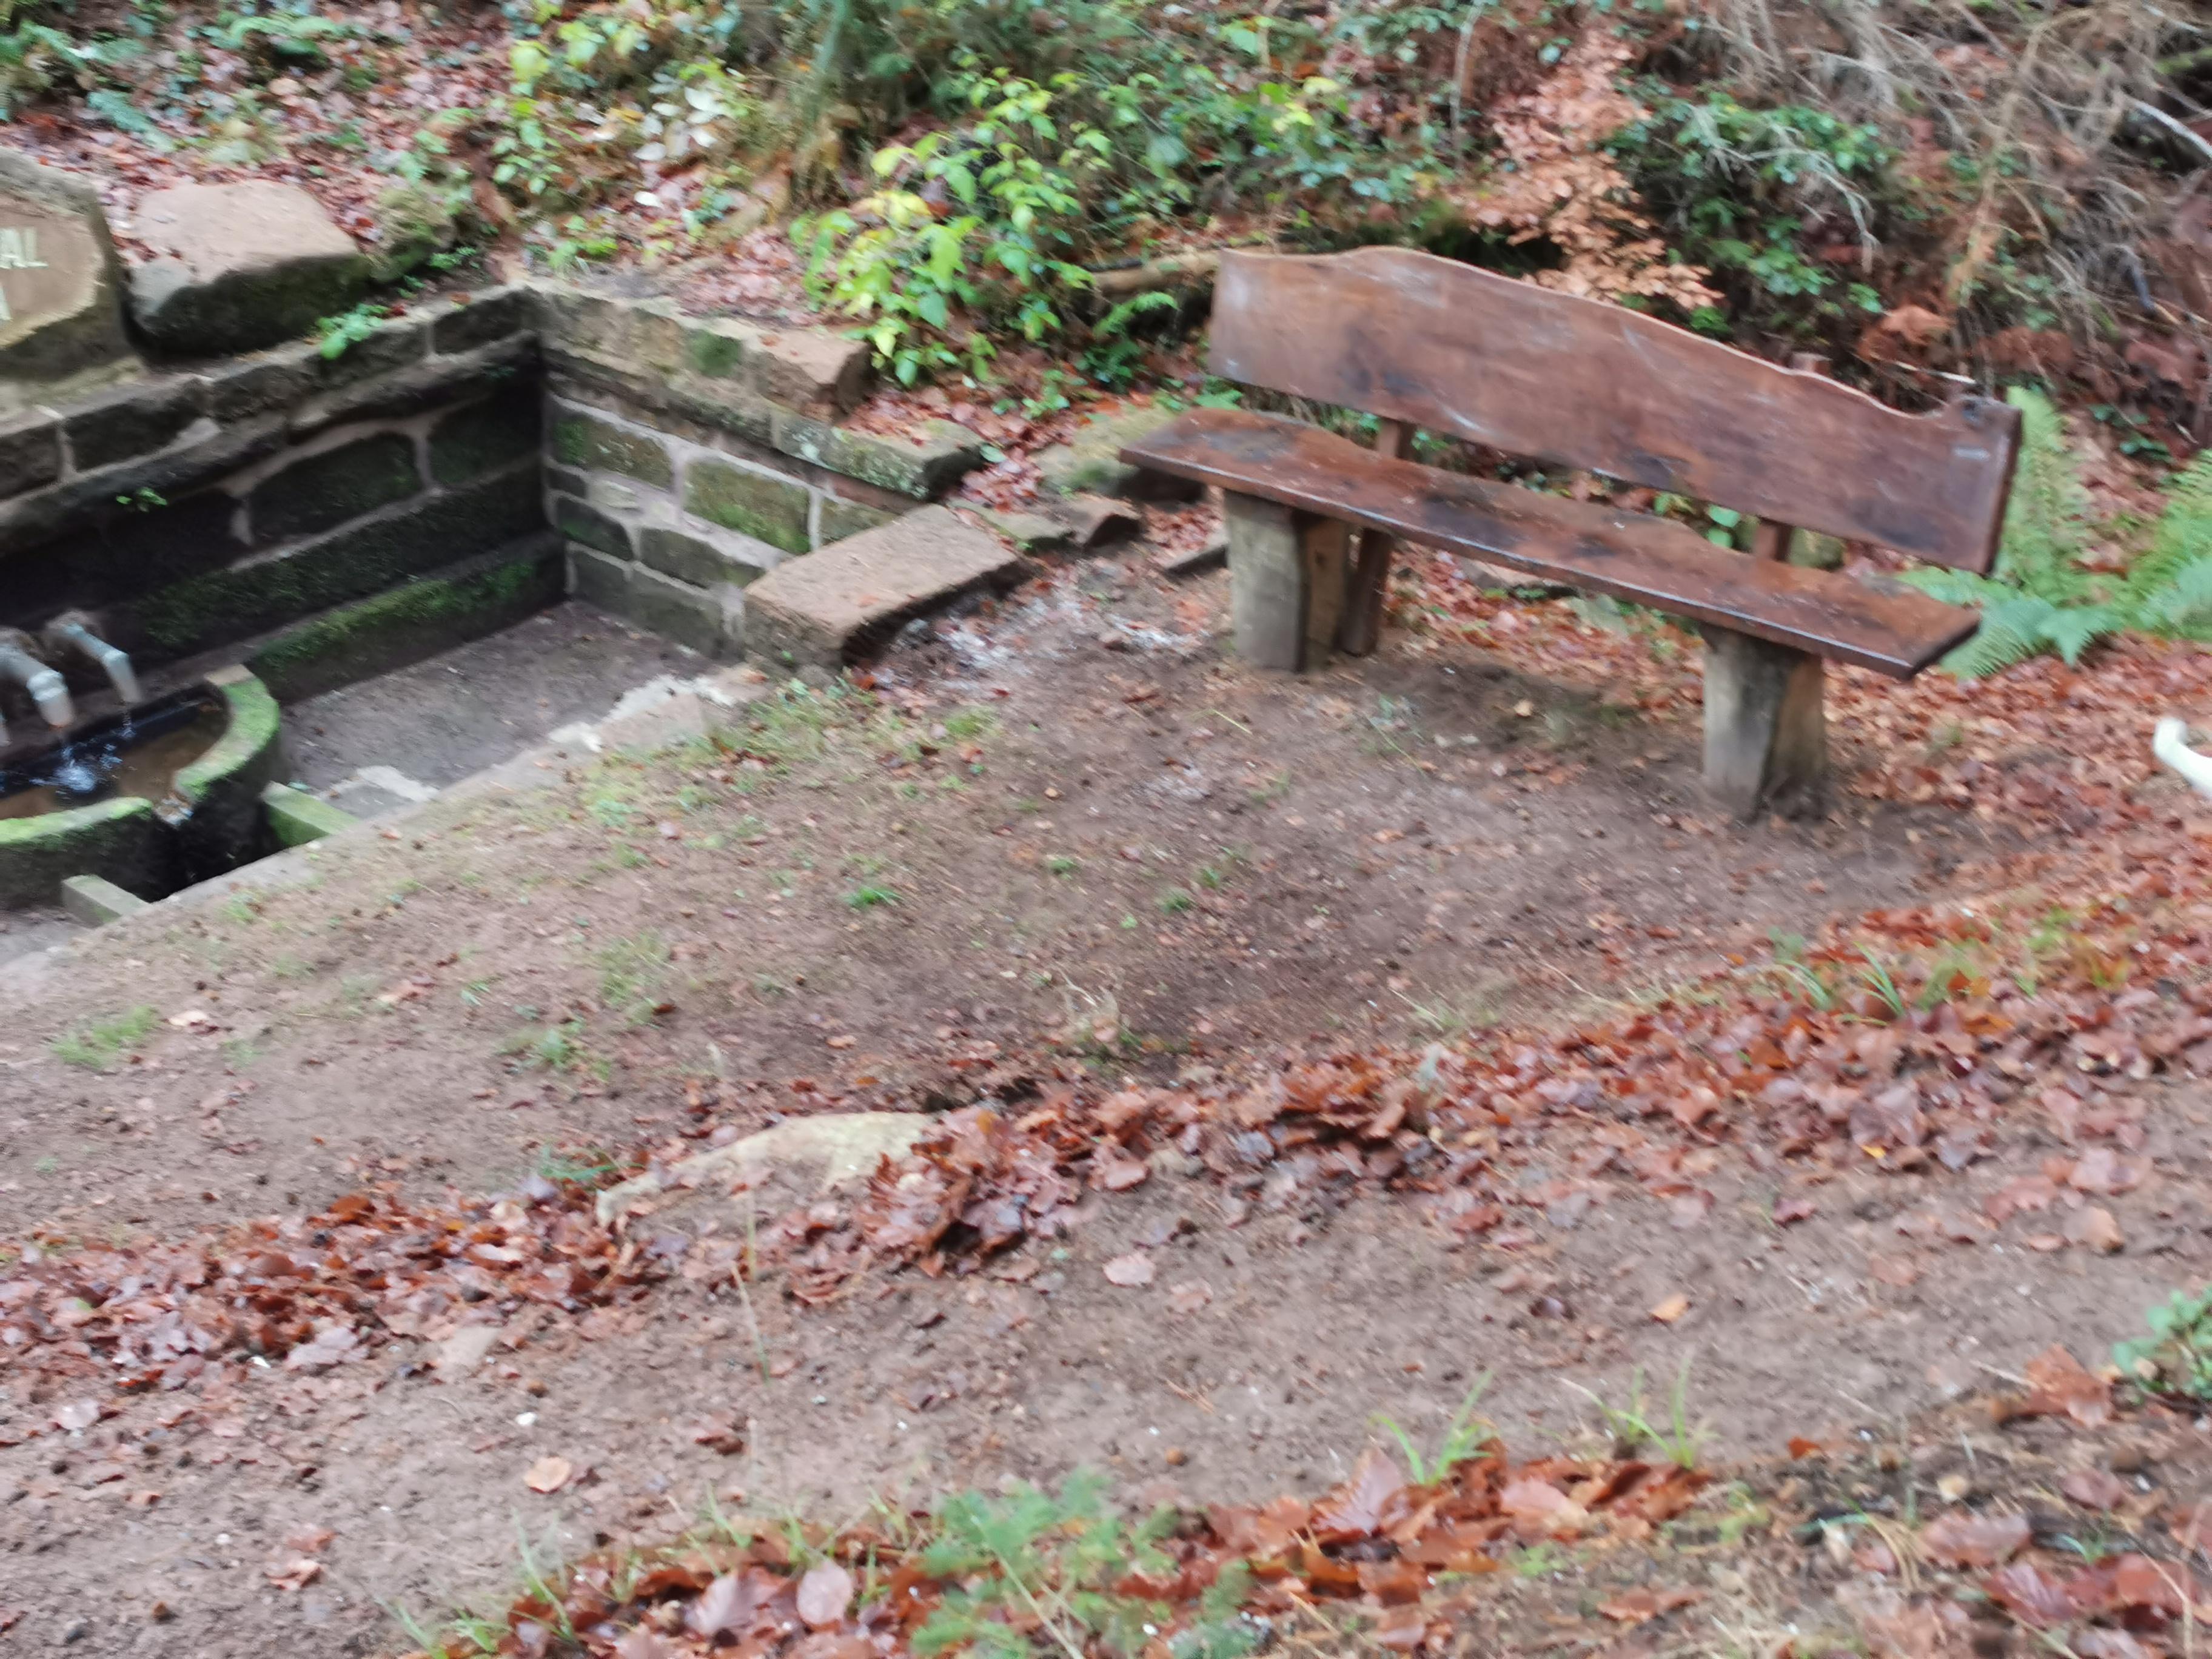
(1426, 342)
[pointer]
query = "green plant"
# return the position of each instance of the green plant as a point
(2041, 598)
(1465, 1436)
(2176, 1358)
(868, 896)
(95, 1044)
(1174, 902)
(929, 291)
(341, 333)
(280, 40)
(1741, 189)
(1061, 864)
(1034, 1560)
(1631, 1424)
(630, 974)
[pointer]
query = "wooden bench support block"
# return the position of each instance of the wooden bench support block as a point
(1287, 572)
(1767, 737)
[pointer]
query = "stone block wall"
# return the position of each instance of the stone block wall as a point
(495, 449)
(687, 456)
(201, 510)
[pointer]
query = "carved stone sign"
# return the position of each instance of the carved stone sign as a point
(60, 309)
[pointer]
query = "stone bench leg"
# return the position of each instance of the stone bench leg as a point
(1767, 737)
(1287, 572)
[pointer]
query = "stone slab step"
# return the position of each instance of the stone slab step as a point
(825, 609)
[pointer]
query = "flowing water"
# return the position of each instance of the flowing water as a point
(138, 755)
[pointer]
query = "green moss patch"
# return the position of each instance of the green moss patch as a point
(410, 622)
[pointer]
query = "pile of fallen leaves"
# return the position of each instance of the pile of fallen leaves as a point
(1024, 1569)
(308, 1293)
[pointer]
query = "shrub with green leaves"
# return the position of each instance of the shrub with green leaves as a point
(2040, 597)
(1741, 189)
(929, 291)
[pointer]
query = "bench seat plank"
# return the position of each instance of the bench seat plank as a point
(1584, 544)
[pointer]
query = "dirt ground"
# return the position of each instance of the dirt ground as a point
(1070, 834)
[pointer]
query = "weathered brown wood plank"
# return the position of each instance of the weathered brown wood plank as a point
(1587, 545)
(1584, 384)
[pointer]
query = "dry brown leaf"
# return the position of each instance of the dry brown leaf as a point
(1960, 1539)
(1132, 1271)
(549, 1474)
(824, 1594)
(1672, 1309)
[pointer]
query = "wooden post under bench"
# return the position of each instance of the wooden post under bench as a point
(1288, 573)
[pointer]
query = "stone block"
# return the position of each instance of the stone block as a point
(1032, 533)
(417, 384)
(1099, 521)
(61, 285)
(590, 441)
(30, 451)
(812, 370)
(296, 818)
(718, 347)
(120, 839)
(240, 266)
(584, 524)
(225, 827)
(837, 520)
(207, 454)
(1766, 735)
(701, 562)
(325, 491)
(922, 468)
(758, 504)
(1209, 555)
(484, 436)
(598, 580)
(689, 616)
(477, 319)
(414, 621)
(1090, 462)
(120, 552)
(254, 386)
(643, 337)
(338, 568)
(95, 901)
(400, 343)
(824, 609)
(130, 420)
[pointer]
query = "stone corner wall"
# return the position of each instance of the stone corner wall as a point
(687, 456)
(255, 504)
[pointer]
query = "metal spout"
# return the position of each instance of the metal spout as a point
(75, 632)
(46, 687)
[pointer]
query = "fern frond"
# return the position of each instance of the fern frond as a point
(2181, 605)
(1959, 587)
(2011, 631)
(2047, 515)
(2071, 629)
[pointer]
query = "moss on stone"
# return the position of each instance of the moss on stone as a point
(121, 840)
(406, 624)
(347, 565)
(757, 504)
(296, 818)
(325, 490)
(585, 440)
(842, 518)
(482, 437)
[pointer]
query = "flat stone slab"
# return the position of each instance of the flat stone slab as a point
(824, 609)
(240, 266)
(95, 901)
(61, 305)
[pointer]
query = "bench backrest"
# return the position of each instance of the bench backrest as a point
(1580, 383)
